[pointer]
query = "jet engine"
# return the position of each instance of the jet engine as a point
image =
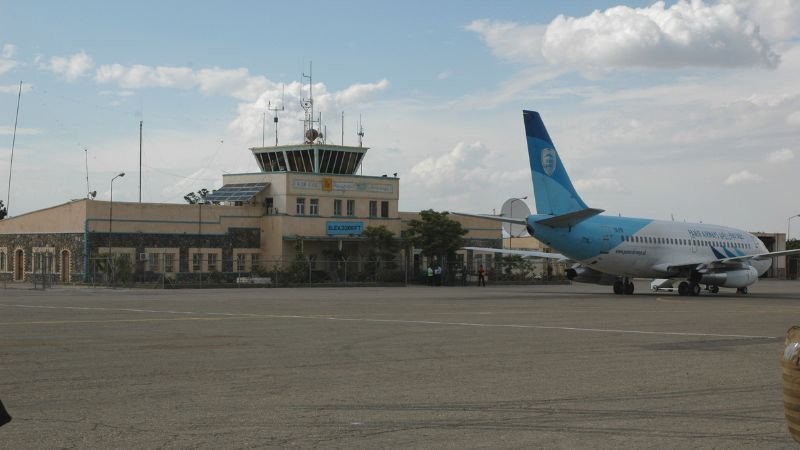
(738, 278)
(582, 274)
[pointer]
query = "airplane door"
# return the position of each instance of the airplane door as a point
(693, 243)
(606, 244)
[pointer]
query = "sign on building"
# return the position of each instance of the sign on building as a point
(345, 228)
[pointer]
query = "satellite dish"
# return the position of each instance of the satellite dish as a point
(515, 208)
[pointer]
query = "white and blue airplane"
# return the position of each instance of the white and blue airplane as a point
(612, 250)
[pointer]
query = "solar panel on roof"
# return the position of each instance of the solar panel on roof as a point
(236, 192)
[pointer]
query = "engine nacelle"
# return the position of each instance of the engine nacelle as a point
(738, 278)
(582, 274)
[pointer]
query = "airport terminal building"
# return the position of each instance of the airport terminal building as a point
(307, 199)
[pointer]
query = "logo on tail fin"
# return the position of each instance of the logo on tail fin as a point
(549, 161)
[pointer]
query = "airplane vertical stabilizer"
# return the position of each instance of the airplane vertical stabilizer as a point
(552, 187)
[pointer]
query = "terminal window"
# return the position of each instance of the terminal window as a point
(373, 208)
(337, 207)
(384, 209)
(301, 206)
(196, 262)
(212, 261)
(313, 207)
(254, 261)
(240, 262)
(169, 262)
(351, 208)
(153, 260)
(2, 261)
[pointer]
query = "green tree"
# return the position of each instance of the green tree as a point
(381, 243)
(792, 244)
(435, 234)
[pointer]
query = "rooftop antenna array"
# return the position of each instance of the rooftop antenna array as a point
(360, 132)
(309, 132)
(275, 109)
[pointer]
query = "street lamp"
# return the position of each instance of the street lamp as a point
(789, 226)
(111, 210)
(511, 215)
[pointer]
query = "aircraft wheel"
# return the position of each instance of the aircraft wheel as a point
(628, 288)
(683, 288)
(694, 289)
(741, 290)
(619, 288)
(714, 289)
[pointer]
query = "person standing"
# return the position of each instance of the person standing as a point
(481, 276)
(430, 276)
(437, 275)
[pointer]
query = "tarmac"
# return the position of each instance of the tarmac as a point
(567, 366)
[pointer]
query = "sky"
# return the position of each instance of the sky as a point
(684, 110)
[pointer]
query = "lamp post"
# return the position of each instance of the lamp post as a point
(111, 210)
(511, 215)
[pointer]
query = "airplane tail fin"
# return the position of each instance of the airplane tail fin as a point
(552, 188)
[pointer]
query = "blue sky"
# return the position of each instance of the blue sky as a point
(684, 109)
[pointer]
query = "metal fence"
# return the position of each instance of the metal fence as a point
(215, 272)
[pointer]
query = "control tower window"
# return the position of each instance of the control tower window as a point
(351, 208)
(337, 207)
(301, 206)
(313, 207)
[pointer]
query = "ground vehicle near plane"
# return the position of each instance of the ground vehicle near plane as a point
(612, 250)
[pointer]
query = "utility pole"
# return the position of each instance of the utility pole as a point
(13, 143)
(140, 161)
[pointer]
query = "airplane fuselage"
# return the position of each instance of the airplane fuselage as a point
(633, 247)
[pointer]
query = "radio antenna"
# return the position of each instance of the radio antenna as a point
(275, 109)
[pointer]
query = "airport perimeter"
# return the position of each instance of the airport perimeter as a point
(407, 367)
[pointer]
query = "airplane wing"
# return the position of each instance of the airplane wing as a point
(496, 218)
(525, 253)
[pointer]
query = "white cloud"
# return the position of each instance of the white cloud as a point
(9, 130)
(598, 185)
(602, 179)
(777, 19)
(14, 88)
(8, 51)
(688, 33)
(685, 34)
(510, 40)
(781, 156)
(71, 67)
(6, 58)
(359, 92)
(444, 75)
(793, 118)
(237, 83)
(743, 176)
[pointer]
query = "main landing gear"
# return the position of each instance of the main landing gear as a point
(623, 287)
(689, 288)
(693, 288)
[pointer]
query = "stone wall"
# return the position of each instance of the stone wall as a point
(56, 243)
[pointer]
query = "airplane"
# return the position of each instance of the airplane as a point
(612, 250)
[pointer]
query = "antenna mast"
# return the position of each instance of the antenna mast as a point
(275, 109)
(342, 128)
(86, 155)
(308, 107)
(360, 132)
